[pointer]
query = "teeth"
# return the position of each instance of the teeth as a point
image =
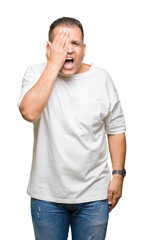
(69, 59)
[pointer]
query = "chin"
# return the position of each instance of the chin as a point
(68, 72)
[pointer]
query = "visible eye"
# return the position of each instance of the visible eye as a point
(75, 43)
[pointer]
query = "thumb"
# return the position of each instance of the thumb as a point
(48, 43)
(110, 197)
(48, 47)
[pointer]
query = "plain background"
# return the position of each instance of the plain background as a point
(115, 41)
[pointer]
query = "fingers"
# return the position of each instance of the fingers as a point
(113, 204)
(57, 50)
(110, 199)
(48, 45)
(114, 194)
(60, 39)
(56, 37)
(113, 199)
(63, 39)
(67, 44)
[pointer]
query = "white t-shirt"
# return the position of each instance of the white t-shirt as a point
(70, 158)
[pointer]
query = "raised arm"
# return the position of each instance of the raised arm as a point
(37, 97)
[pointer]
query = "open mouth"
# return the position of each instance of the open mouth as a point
(69, 63)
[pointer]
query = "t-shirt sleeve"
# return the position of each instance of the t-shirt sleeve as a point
(29, 80)
(114, 121)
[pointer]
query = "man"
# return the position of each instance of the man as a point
(73, 106)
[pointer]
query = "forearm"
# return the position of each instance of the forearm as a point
(117, 147)
(37, 97)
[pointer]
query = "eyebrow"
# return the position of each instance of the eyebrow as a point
(75, 41)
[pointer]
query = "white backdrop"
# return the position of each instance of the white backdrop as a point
(114, 34)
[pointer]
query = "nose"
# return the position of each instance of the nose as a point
(70, 48)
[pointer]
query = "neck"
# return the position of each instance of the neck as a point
(84, 68)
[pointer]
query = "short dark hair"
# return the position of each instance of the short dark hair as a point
(67, 21)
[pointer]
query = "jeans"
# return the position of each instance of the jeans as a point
(51, 220)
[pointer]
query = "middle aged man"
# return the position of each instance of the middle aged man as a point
(73, 106)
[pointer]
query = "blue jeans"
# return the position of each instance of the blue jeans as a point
(51, 220)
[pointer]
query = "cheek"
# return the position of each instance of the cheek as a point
(79, 55)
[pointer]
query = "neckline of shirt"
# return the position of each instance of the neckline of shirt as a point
(77, 75)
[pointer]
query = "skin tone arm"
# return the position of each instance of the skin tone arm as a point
(37, 97)
(117, 147)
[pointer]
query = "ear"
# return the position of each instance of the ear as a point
(84, 49)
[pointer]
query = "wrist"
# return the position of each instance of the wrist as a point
(118, 177)
(53, 67)
(119, 173)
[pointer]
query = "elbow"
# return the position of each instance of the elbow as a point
(27, 114)
(28, 118)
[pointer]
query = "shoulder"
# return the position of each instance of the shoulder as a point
(105, 78)
(35, 69)
(99, 70)
(102, 73)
